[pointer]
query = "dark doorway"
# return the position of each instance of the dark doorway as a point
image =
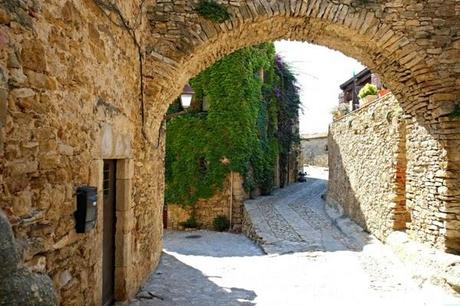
(109, 221)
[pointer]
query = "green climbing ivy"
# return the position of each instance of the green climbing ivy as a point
(288, 110)
(240, 132)
(212, 10)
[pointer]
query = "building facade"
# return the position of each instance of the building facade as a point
(314, 150)
(350, 89)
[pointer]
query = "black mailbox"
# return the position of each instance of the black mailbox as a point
(86, 213)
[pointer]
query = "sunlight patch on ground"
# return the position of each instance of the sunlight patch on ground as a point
(319, 278)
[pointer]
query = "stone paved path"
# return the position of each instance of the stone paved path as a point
(304, 260)
(294, 220)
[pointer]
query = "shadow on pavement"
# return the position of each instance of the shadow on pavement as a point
(213, 244)
(191, 288)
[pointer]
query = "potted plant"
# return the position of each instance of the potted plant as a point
(368, 93)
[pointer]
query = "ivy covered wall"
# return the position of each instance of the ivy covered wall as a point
(243, 117)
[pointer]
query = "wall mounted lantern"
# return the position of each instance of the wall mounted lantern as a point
(185, 101)
(186, 96)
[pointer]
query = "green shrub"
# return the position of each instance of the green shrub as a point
(213, 11)
(221, 223)
(191, 222)
(368, 90)
(455, 113)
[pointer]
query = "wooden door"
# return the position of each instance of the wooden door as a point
(108, 242)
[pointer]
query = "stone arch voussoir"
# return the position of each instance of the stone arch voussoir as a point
(179, 50)
(414, 48)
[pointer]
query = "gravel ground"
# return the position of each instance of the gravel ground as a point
(306, 260)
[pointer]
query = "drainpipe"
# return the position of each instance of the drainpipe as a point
(231, 198)
(288, 162)
(354, 94)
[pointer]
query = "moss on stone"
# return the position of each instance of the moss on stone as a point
(212, 10)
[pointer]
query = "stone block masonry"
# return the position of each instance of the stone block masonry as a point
(206, 210)
(383, 173)
(70, 98)
(368, 166)
(227, 202)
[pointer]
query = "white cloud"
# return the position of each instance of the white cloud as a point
(320, 71)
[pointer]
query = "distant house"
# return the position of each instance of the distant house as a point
(314, 150)
(350, 89)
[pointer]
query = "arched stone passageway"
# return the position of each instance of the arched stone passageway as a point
(70, 98)
(413, 56)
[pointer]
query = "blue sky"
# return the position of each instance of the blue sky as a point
(319, 71)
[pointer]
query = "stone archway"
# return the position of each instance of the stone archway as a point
(69, 70)
(414, 55)
(408, 53)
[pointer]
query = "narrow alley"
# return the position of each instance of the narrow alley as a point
(303, 258)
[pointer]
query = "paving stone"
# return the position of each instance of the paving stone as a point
(294, 219)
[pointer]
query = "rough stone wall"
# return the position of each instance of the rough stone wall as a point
(386, 172)
(367, 166)
(18, 285)
(314, 152)
(206, 210)
(433, 221)
(69, 98)
(248, 228)
(293, 168)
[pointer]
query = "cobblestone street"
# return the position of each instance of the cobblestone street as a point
(303, 259)
(294, 220)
